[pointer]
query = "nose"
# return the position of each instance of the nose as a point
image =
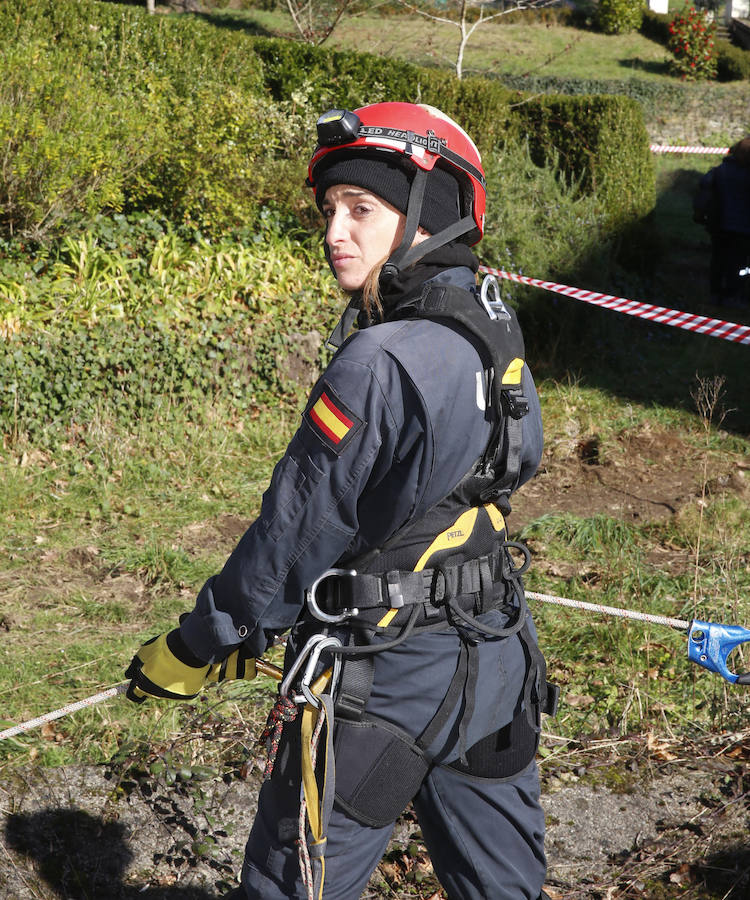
(336, 230)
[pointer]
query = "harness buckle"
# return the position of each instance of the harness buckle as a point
(312, 602)
(517, 405)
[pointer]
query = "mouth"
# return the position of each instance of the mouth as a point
(340, 258)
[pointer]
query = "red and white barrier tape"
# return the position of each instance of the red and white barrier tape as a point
(671, 148)
(727, 331)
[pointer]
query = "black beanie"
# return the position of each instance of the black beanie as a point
(391, 181)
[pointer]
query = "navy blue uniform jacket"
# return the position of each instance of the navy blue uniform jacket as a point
(395, 421)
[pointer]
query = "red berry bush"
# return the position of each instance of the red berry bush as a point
(691, 40)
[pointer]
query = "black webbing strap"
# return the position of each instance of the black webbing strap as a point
(437, 722)
(397, 588)
(355, 684)
(344, 325)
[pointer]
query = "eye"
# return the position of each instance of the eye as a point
(327, 212)
(362, 209)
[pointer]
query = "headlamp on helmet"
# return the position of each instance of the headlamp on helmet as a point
(338, 126)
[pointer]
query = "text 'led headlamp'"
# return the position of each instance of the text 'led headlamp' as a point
(338, 126)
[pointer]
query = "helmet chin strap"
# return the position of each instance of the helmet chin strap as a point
(407, 252)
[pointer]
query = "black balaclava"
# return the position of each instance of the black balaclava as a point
(390, 177)
(391, 181)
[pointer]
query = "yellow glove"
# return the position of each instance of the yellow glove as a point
(164, 667)
(237, 665)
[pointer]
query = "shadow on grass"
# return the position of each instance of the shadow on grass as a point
(82, 856)
(653, 66)
(235, 23)
(662, 261)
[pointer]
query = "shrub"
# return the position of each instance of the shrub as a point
(67, 147)
(732, 63)
(602, 142)
(620, 16)
(655, 26)
(692, 43)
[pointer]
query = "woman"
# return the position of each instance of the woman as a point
(382, 545)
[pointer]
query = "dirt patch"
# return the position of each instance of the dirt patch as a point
(225, 531)
(641, 476)
(634, 818)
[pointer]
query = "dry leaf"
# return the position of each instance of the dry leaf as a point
(579, 700)
(660, 749)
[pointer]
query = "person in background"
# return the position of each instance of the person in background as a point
(412, 670)
(722, 204)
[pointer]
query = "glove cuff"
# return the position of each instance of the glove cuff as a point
(182, 652)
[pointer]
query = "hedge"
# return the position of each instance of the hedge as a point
(601, 141)
(213, 124)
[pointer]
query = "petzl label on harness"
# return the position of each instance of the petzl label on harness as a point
(331, 419)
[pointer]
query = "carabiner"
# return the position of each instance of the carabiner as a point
(312, 602)
(310, 653)
(709, 645)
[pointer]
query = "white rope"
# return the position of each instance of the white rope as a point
(681, 624)
(64, 711)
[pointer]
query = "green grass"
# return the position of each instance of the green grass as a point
(111, 536)
(498, 49)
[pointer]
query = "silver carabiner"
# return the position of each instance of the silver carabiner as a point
(313, 603)
(310, 654)
(312, 664)
(288, 679)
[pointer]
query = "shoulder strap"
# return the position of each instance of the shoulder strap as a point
(494, 331)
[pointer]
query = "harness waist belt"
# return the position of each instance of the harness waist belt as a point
(399, 588)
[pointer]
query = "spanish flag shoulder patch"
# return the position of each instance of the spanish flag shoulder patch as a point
(331, 419)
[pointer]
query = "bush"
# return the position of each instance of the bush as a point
(732, 63)
(620, 16)
(602, 142)
(655, 26)
(67, 147)
(105, 108)
(691, 40)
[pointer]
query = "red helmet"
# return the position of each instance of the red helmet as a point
(421, 133)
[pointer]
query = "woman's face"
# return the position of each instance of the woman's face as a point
(361, 231)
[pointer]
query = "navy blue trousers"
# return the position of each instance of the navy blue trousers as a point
(484, 840)
(485, 837)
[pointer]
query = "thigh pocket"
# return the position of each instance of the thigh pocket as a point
(379, 769)
(502, 754)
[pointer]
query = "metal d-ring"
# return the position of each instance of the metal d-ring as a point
(312, 602)
(489, 296)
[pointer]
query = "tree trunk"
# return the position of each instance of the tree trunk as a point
(151, 6)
